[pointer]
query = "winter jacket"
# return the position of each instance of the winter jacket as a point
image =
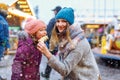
(75, 63)
(4, 35)
(27, 60)
(50, 27)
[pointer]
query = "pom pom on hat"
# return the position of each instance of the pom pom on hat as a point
(33, 25)
(67, 14)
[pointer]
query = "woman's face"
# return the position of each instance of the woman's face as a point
(40, 34)
(61, 25)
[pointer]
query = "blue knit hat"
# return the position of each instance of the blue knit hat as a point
(67, 14)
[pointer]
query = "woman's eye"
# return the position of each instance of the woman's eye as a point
(57, 21)
(65, 21)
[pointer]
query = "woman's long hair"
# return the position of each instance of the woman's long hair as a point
(55, 38)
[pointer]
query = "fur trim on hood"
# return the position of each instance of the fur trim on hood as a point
(22, 35)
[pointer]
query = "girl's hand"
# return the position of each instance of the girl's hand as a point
(41, 46)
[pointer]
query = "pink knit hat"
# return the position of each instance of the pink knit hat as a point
(33, 25)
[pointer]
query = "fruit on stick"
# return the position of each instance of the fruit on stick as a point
(43, 39)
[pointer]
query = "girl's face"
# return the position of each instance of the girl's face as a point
(40, 34)
(61, 25)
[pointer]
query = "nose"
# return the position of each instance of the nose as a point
(60, 24)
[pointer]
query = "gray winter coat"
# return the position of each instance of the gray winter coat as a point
(78, 63)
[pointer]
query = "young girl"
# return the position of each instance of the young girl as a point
(27, 59)
(77, 61)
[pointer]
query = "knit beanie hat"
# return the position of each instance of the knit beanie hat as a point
(33, 25)
(67, 14)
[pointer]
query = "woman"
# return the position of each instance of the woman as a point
(77, 61)
(27, 59)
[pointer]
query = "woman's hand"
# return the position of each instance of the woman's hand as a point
(41, 46)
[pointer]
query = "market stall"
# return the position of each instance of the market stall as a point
(17, 12)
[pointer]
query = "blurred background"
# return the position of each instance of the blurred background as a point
(98, 18)
(83, 8)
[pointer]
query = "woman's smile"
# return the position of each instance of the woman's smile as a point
(61, 28)
(61, 25)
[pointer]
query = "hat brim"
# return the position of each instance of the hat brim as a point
(53, 9)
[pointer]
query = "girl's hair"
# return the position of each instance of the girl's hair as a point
(55, 38)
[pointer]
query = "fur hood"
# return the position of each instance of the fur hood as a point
(22, 35)
(76, 30)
